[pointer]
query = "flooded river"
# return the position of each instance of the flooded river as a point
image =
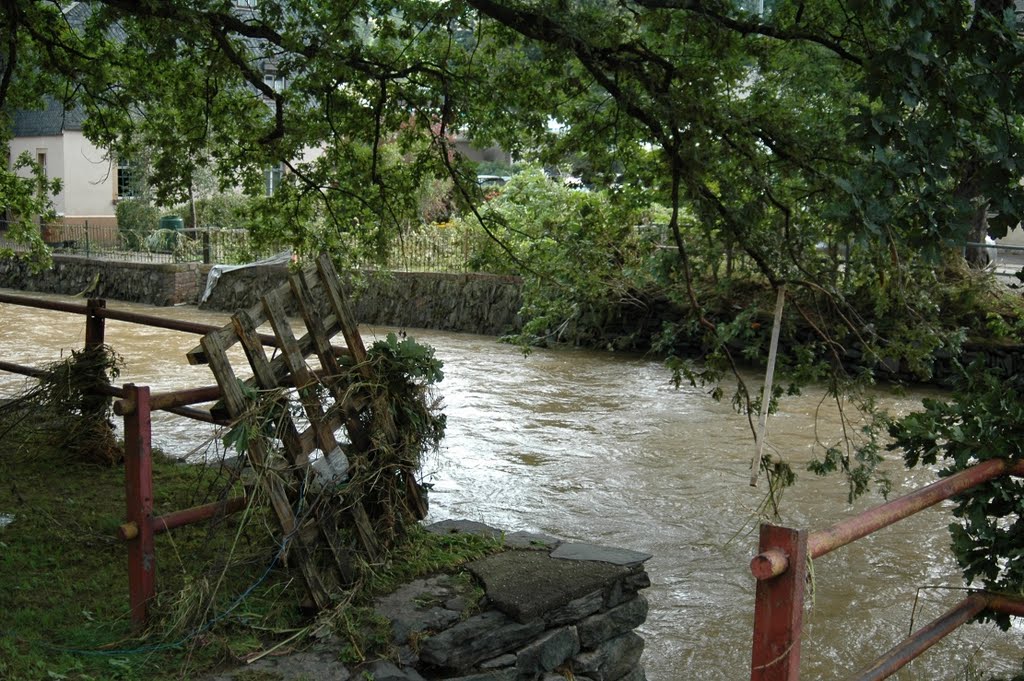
(599, 447)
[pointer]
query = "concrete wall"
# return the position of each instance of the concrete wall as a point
(53, 147)
(89, 181)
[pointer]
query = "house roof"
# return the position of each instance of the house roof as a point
(54, 119)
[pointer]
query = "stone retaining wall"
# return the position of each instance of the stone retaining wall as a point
(473, 303)
(542, 611)
(470, 303)
(160, 284)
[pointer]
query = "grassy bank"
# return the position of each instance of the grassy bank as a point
(222, 595)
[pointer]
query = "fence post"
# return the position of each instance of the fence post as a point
(779, 608)
(138, 473)
(87, 238)
(207, 259)
(94, 323)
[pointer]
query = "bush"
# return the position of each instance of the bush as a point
(580, 253)
(136, 219)
(223, 211)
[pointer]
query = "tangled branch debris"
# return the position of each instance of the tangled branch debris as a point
(70, 407)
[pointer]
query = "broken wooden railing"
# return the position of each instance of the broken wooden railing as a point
(781, 572)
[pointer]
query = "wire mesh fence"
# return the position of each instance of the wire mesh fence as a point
(430, 248)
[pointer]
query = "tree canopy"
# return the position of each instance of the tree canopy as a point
(890, 130)
(883, 122)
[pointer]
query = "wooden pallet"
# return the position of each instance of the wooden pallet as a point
(284, 461)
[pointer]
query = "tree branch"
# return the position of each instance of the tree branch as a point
(830, 42)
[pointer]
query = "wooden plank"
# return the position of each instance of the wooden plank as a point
(215, 350)
(331, 323)
(302, 378)
(349, 329)
(334, 417)
(225, 337)
(340, 389)
(264, 376)
(317, 332)
(328, 278)
(343, 556)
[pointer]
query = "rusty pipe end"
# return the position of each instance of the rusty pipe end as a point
(128, 531)
(771, 563)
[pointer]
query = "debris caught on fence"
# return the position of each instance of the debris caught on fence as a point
(335, 450)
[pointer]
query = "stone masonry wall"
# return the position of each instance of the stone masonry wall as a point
(543, 610)
(472, 303)
(152, 283)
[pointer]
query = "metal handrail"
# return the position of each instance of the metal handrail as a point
(772, 563)
(781, 570)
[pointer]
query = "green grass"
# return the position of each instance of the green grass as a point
(64, 585)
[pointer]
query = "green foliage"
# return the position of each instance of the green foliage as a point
(25, 194)
(405, 364)
(982, 420)
(404, 414)
(136, 219)
(581, 254)
(499, 168)
(221, 211)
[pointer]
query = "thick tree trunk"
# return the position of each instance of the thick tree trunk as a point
(978, 256)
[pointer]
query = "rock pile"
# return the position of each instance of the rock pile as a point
(542, 611)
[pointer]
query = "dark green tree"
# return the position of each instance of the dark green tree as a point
(889, 131)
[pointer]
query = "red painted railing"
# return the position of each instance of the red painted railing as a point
(781, 570)
(136, 406)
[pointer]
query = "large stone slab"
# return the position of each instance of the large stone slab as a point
(603, 554)
(547, 652)
(529, 584)
(612, 660)
(479, 638)
(615, 622)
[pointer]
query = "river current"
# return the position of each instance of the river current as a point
(599, 447)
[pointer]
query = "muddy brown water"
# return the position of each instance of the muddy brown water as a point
(599, 447)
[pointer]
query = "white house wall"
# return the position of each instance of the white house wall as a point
(53, 147)
(89, 181)
(87, 191)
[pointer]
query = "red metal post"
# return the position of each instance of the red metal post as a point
(1011, 606)
(94, 323)
(779, 608)
(138, 471)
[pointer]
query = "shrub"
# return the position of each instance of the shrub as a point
(222, 211)
(136, 219)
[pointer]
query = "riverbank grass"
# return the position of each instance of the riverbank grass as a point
(222, 598)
